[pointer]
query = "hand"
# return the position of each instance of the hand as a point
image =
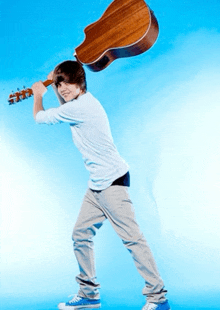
(39, 89)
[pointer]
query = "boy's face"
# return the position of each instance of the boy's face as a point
(69, 91)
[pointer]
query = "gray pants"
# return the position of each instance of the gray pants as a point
(115, 205)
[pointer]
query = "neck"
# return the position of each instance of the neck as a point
(82, 92)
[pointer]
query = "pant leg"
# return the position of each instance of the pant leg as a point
(118, 208)
(90, 219)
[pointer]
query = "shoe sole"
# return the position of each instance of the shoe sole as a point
(88, 307)
(82, 307)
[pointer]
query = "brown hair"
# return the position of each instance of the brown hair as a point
(70, 72)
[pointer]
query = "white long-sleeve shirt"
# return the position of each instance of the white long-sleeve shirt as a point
(92, 136)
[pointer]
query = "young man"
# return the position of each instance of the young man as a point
(107, 195)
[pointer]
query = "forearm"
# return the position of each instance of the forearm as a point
(38, 90)
(38, 105)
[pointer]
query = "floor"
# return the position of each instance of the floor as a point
(50, 306)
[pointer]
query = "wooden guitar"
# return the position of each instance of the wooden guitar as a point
(127, 28)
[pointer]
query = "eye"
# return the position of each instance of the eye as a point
(57, 85)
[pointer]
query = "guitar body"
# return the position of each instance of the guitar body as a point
(127, 28)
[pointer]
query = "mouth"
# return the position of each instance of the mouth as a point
(65, 94)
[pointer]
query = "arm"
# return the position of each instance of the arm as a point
(65, 113)
(38, 90)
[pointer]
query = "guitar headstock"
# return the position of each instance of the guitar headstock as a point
(20, 95)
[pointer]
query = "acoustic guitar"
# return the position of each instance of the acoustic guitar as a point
(127, 28)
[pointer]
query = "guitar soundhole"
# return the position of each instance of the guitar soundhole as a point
(102, 63)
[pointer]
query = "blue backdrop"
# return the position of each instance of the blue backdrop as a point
(163, 108)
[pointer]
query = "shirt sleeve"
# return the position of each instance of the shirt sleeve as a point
(65, 113)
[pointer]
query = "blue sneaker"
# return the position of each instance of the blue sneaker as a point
(80, 303)
(151, 306)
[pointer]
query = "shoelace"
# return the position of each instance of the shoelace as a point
(75, 298)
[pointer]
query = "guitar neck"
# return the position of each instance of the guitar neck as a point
(47, 82)
(24, 93)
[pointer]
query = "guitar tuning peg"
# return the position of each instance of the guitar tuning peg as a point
(18, 89)
(23, 87)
